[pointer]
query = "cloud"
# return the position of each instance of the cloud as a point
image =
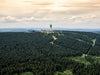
(58, 12)
(83, 18)
(70, 19)
(90, 16)
(44, 7)
(8, 19)
(12, 19)
(39, 3)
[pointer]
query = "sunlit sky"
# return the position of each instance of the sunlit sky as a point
(42, 13)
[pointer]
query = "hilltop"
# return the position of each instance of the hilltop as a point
(49, 53)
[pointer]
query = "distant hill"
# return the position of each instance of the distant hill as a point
(97, 32)
(47, 29)
(13, 30)
(49, 53)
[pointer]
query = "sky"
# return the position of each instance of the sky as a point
(41, 13)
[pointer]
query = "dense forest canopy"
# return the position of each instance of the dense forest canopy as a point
(46, 53)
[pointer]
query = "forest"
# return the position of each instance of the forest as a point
(49, 53)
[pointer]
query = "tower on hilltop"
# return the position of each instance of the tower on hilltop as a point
(50, 27)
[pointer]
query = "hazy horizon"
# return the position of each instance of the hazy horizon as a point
(47, 29)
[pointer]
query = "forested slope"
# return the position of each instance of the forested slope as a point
(34, 52)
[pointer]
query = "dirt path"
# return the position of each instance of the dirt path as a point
(94, 41)
(93, 44)
(54, 38)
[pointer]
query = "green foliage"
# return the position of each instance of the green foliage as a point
(90, 59)
(81, 60)
(66, 72)
(32, 52)
(27, 73)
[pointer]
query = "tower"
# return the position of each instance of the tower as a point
(50, 27)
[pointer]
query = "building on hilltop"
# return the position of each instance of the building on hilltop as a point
(50, 27)
(44, 31)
